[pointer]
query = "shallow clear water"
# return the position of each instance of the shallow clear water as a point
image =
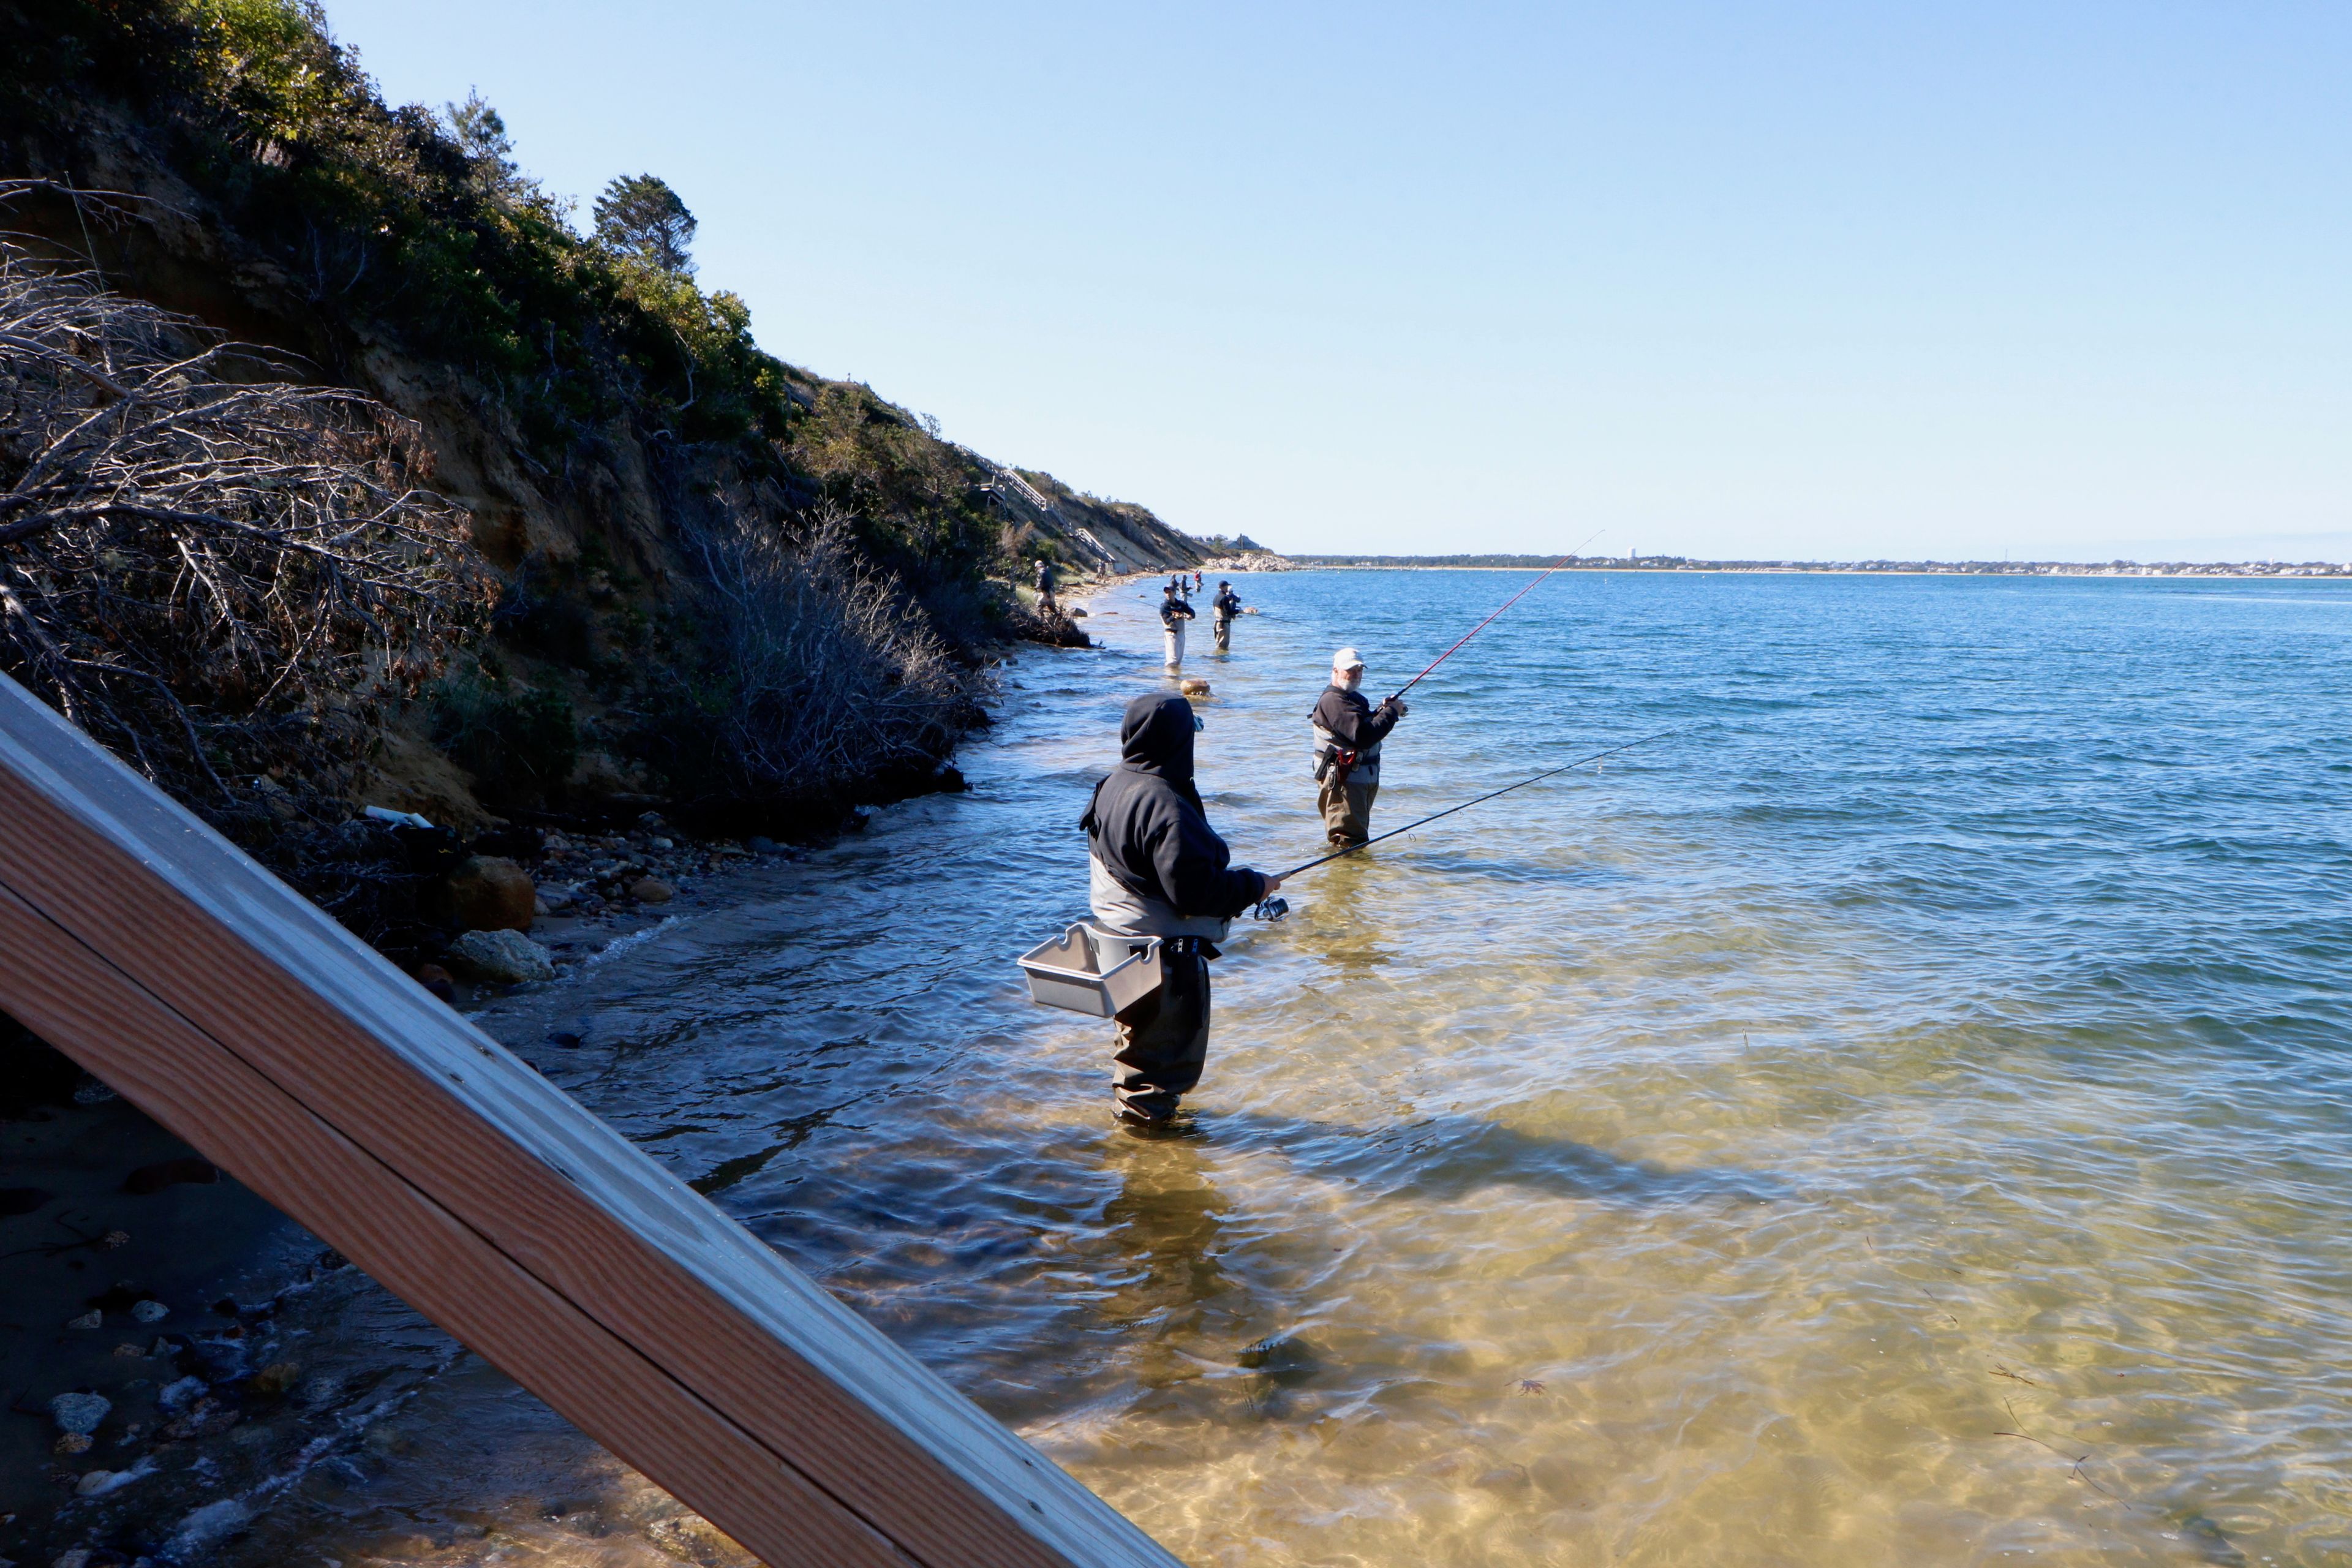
(1898, 1118)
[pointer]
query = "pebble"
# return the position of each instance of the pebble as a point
(89, 1319)
(72, 1443)
(77, 1558)
(98, 1483)
(438, 981)
(504, 957)
(176, 1395)
(90, 1091)
(148, 1310)
(79, 1414)
(652, 890)
(276, 1379)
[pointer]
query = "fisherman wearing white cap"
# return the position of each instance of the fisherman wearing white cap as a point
(1348, 735)
(1173, 612)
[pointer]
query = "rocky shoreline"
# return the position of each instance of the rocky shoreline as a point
(175, 1351)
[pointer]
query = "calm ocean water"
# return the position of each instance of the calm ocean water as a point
(1900, 1117)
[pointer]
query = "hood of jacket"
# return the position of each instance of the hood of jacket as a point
(1156, 738)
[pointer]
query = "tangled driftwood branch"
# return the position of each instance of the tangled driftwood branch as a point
(210, 569)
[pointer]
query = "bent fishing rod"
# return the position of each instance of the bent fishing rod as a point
(1482, 626)
(1275, 909)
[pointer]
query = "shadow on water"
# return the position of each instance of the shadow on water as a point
(1167, 1223)
(1452, 1156)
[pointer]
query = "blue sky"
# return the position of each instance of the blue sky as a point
(1779, 280)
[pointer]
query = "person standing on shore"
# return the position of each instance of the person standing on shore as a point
(1156, 867)
(1348, 735)
(1173, 612)
(1224, 608)
(1045, 586)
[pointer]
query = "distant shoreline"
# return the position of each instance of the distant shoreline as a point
(1669, 564)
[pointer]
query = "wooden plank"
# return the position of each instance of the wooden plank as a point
(204, 1093)
(632, 1269)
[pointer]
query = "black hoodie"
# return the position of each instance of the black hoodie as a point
(1146, 827)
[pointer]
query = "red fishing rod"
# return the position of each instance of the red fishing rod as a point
(1482, 626)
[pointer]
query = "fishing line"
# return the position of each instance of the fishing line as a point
(1482, 626)
(1275, 909)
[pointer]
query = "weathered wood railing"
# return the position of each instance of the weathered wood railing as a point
(230, 1009)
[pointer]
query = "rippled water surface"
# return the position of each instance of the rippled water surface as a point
(1899, 1117)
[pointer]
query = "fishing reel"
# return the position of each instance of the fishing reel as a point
(1271, 910)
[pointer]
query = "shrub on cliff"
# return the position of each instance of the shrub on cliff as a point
(821, 677)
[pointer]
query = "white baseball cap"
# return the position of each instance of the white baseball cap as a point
(1347, 659)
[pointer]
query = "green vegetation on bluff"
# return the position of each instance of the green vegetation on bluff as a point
(723, 583)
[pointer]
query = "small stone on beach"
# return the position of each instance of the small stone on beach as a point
(652, 890)
(78, 1413)
(148, 1310)
(503, 957)
(276, 1379)
(438, 981)
(89, 1319)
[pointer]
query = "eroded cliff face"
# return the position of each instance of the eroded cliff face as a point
(602, 541)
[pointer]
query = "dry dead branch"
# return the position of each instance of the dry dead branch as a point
(211, 570)
(833, 674)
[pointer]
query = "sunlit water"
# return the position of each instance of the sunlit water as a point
(1898, 1117)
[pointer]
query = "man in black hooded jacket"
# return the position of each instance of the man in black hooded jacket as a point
(1156, 867)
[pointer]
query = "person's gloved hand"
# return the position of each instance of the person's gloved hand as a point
(1395, 707)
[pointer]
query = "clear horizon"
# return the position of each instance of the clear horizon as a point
(1832, 283)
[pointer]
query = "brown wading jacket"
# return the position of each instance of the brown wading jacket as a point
(1155, 866)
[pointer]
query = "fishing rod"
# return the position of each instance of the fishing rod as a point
(1482, 626)
(1275, 909)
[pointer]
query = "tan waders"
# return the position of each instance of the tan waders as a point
(1348, 807)
(1164, 1039)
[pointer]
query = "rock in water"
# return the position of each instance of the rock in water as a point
(489, 892)
(652, 890)
(78, 1414)
(503, 957)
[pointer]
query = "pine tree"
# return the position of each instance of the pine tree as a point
(640, 214)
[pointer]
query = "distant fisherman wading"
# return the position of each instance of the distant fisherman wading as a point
(1156, 867)
(1348, 735)
(1173, 612)
(1224, 608)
